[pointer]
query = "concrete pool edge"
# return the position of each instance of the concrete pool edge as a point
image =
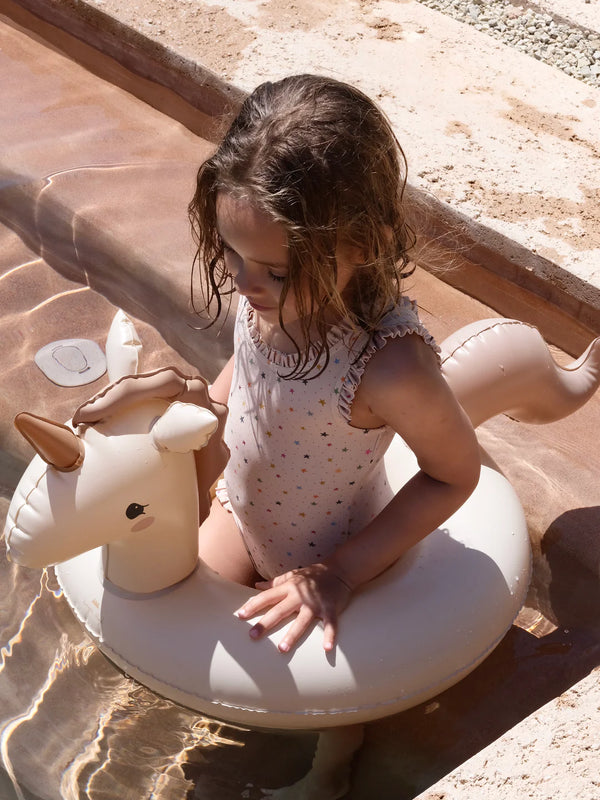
(490, 266)
(554, 742)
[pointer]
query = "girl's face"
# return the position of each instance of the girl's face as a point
(257, 256)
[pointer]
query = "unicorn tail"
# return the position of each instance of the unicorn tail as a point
(499, 366)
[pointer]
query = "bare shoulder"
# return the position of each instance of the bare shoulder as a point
(403, 387)
(403, 374)
(403, 357)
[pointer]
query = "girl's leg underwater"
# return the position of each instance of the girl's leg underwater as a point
(222, 549)
(329, 775)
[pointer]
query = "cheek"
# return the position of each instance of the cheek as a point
(142, 523)
(289, 307)
(345, 275)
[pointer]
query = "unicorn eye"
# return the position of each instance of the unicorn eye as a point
(134, 510)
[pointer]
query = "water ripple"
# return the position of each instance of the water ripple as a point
(15, 270)
(10, 725)
(6, 650)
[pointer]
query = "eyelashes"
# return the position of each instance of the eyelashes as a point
(229, 251)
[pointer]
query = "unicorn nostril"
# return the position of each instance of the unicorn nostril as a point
(134, 510)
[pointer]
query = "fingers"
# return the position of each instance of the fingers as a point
(286, 596)
(329, 635)
(304, 619)
(259, 603)
(300, 626)
(297, 629)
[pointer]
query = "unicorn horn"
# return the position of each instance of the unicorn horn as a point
(55, 443)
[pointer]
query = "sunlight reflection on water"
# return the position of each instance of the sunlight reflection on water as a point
(72, 725)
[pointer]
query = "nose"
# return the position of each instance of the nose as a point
(246, 278)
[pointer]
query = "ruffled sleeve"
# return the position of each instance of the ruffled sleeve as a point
(399, 321)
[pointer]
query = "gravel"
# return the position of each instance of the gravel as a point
(553, 39)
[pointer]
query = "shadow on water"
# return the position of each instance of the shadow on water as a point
(573, 591)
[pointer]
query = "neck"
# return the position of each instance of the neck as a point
(274, 336)
(285, 341)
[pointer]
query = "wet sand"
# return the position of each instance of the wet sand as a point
(72, 723)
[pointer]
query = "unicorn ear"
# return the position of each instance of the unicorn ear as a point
(184, 427)
(123, 348)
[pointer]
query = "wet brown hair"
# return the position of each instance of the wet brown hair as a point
(320, 158)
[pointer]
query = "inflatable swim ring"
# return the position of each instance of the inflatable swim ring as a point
(115, 504)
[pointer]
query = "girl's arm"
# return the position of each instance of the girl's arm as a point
(418, 404)
(403, 388)
(219, 391)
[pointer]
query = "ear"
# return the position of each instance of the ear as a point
(184, 427)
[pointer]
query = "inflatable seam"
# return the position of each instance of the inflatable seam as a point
(24, 503)
(500, 323)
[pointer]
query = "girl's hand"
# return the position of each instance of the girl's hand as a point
(310, 593)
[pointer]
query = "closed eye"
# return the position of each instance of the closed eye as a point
(228, 250)
(278, 278)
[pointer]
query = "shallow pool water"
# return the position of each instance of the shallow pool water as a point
(71, 725)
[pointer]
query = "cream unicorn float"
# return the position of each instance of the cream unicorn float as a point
(115, 505)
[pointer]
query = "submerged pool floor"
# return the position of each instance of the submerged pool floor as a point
(71, 725)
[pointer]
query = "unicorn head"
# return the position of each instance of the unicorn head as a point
(128, 483)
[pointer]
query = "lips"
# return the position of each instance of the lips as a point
(259, 308)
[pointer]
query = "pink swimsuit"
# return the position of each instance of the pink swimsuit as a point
(301, 479)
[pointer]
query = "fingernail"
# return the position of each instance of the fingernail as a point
(284, 647)
(254, 633)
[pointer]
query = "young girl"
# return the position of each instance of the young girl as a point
(300, 211)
